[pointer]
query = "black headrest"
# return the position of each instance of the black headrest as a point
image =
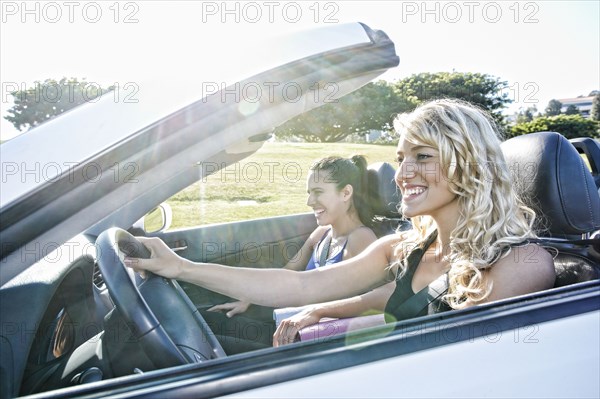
(551, 177)
(589, 148)
(385, 197)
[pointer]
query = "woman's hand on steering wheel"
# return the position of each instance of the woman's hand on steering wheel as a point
(163, 261)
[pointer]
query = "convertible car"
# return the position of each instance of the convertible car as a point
(76, 323)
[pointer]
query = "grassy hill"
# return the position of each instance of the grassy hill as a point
(271, 182)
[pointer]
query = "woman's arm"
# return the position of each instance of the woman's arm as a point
(298, 263)
(374, 300)
(275, 287)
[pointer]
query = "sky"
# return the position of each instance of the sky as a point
(543, 49)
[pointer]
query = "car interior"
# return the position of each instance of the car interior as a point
(552, 178)
(81, 337)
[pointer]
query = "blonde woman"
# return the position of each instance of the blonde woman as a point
(468, 224)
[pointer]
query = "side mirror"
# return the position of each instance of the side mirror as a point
(157, 220)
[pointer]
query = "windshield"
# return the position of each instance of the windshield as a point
(117, 115)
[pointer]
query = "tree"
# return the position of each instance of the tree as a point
(47, 99)
(371, 107)
(553, 108)
(526, 115)
(570, 126)
(484, 90)
(595, 113)
(572, 110)
(374, 105)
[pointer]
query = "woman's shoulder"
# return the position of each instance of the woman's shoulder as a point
(528, 254)
(526, 268)
(317, 235)
(359, 239)
(362, 233)
(361, 236)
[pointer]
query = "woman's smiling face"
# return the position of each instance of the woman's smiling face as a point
(327, 202)
(424, 186)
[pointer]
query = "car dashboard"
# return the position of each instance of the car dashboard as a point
(65, 307)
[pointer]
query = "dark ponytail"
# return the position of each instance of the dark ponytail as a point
(353, 171)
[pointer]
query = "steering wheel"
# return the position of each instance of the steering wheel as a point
(177, 334)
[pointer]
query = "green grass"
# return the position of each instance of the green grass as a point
(274, 178)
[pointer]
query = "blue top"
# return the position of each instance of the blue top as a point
(335, 257)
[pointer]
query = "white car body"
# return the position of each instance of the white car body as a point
(543, 345)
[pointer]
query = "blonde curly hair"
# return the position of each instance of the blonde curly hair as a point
(492, 218)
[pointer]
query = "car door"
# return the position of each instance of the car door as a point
(128, 158)
(263, 243)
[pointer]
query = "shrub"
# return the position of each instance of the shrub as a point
(570, 126)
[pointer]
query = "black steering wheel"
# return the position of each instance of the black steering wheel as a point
(177, 334)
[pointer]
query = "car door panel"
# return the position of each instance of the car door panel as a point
(260, 243)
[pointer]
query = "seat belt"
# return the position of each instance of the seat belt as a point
(325, 251)
(422, 299)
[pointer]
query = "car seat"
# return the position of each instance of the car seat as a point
(551, 177)
(590, 149)
(384, 198)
